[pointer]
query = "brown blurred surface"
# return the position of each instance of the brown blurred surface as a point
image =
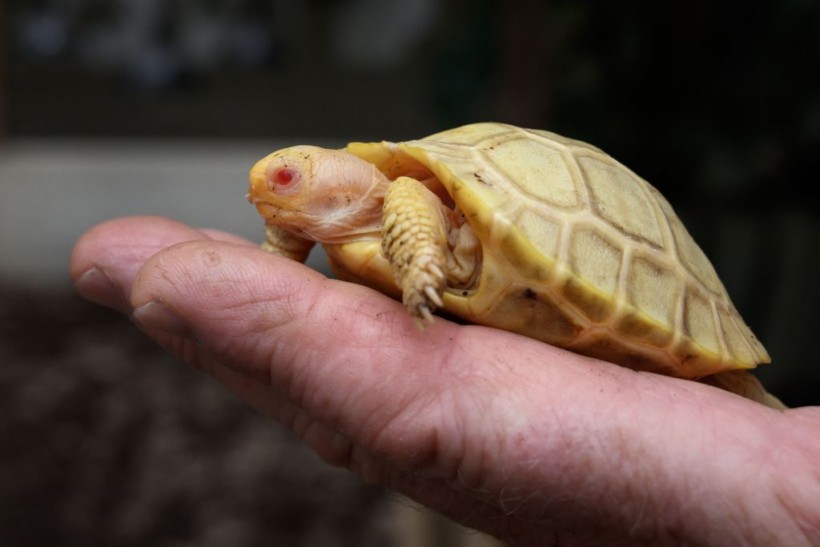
(106, 440)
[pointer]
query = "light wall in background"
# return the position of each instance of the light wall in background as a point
(52, 191)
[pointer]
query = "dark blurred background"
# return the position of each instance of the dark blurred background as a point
(159, 107)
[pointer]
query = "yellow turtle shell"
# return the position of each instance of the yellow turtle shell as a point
(578, 251)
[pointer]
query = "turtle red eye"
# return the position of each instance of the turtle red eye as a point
(284, 180)
(285, 176)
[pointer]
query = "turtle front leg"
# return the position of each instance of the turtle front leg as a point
(414, 241)
(281, 242)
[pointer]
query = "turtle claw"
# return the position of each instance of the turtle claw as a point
(433, 296)
(425, 319)
(422, 301)
(422, 294)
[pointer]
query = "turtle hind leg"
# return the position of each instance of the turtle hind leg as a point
(743, 383)
(414, 241)
(281, 242)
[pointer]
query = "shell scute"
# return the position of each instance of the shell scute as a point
(699, 322)
(618, 197)
(636, 325)
(656, 290)
(596, 306)
(595, 259)
(543, 233)
(531, 162)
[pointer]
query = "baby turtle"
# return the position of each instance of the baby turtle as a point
(518, 229)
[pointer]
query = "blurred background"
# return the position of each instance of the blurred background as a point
(119, 107)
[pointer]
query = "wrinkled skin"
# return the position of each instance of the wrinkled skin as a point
(531, 443)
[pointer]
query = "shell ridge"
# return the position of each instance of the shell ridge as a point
(620, 295)
(725, 354)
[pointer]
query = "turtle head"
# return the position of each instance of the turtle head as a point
(329, 196)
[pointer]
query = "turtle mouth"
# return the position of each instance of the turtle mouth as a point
(276, 215)
(259, 195)
(268, 211)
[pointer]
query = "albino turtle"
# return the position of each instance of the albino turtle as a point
(518, 229)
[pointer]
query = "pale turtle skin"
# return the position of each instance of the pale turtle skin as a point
(540, 234)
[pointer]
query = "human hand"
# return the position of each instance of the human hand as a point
(523, 440)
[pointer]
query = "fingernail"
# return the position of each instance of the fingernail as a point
(157, 316)
(95, 285)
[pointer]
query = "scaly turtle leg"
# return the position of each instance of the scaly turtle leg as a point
(414, 241)
(281, 242)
